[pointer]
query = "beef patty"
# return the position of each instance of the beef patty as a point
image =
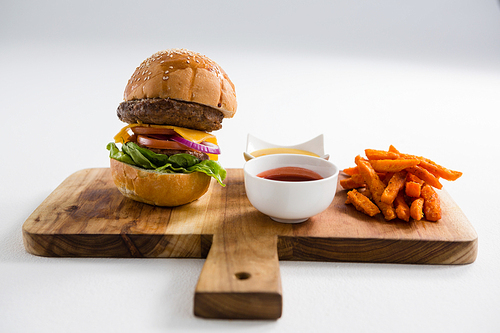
(167, 111)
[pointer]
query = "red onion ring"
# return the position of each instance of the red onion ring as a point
(204, 147)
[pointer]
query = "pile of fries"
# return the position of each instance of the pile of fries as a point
(397, 185)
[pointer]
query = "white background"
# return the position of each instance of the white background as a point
(421, 75)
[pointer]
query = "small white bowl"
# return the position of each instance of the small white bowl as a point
(290, 202)
(315, 146)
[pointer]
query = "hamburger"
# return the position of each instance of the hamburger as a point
(167, 155)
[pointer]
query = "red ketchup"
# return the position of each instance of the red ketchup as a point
(290, 174)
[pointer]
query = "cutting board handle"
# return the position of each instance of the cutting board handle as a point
(240, 279)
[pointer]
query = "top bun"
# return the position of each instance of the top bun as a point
(183, 75)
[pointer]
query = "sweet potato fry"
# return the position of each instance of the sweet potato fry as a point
(402, 209)
(375, 186)
(432, 205)
(416, 209)
(385, 177)
(393, 149)
(412, 189)
(440, 171)
(374, 154)
(362, 203)
(393, 165)
(425, 175)
(355, 181)
(412, 178)
(396, 183)
(434, 168)
(366, 192)
(351, 171)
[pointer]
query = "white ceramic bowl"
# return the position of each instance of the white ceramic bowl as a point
(315, 145)
(290, 202)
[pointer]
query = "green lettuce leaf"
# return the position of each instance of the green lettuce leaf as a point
(211, 168)
(144, 158)
(115, 153)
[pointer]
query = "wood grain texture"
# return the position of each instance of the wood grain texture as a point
(240, 278)
(86, 216)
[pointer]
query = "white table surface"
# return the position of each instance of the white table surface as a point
(422, 76)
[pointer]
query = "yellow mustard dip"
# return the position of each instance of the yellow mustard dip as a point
(270, 151)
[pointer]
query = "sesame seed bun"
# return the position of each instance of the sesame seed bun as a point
(186, 76)
(159, 189)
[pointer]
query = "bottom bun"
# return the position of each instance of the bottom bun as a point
(159, 189)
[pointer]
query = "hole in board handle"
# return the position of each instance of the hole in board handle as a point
(242, 275)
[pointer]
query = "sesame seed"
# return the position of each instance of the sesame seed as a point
(165, 78)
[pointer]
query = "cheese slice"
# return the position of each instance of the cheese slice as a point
(189, 134)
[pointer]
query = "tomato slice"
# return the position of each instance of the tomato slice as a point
(160, 144)
(152, 130)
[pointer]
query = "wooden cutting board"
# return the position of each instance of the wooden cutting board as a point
(86, 216)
